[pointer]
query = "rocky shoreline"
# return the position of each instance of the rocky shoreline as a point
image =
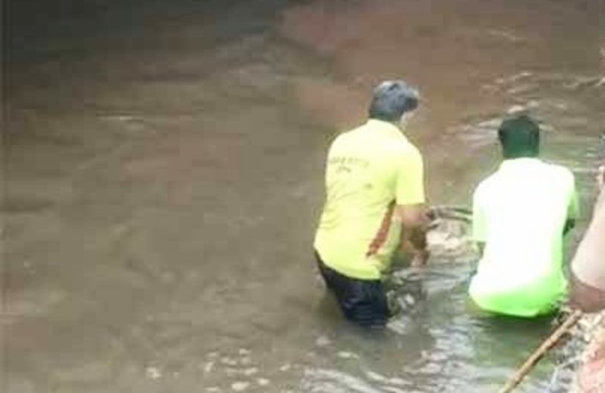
(590, 373)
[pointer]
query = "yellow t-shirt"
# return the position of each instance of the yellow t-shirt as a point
(369, 170)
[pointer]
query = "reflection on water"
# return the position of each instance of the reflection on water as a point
(442, 345)
(164, 173)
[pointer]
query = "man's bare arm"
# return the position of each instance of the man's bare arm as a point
(414, 220)
(583, 295)
(586, 297)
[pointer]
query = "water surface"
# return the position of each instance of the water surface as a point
(164, 165)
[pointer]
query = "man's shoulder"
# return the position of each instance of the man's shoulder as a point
(403, 148)
(397, 147)
(351, 135)
(486, 185)
(343, 138)
(561, 170)
(490, 180)
(560, 173)
(403, 155)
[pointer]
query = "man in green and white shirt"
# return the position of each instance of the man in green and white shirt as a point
(520, 216)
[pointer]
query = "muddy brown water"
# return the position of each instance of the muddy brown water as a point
(163, 177)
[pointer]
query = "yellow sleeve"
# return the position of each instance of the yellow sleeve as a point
(410, 179)
(479, 219)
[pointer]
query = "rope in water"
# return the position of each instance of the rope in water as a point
(547, 344)
(461, 213)
(449, 212)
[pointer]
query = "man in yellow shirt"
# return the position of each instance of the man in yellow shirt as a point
(374, 186)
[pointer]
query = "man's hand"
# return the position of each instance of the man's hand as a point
(415, 222)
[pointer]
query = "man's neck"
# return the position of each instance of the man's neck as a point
(521, 158)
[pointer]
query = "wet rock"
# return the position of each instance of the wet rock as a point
(244, 351)
(153, 372)
(347, 355)
(208, 367)
(250, 371)
(590, 374)
(240, 386)
(228, 361)
(322, 341)
(232, 371)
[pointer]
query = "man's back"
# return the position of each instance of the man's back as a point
(364, 175)
(520, 213)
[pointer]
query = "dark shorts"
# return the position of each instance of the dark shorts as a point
(361, 301)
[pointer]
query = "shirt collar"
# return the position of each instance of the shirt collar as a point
(385, 127)
(522, 162)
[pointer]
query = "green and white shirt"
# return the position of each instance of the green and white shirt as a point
(520, 212)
